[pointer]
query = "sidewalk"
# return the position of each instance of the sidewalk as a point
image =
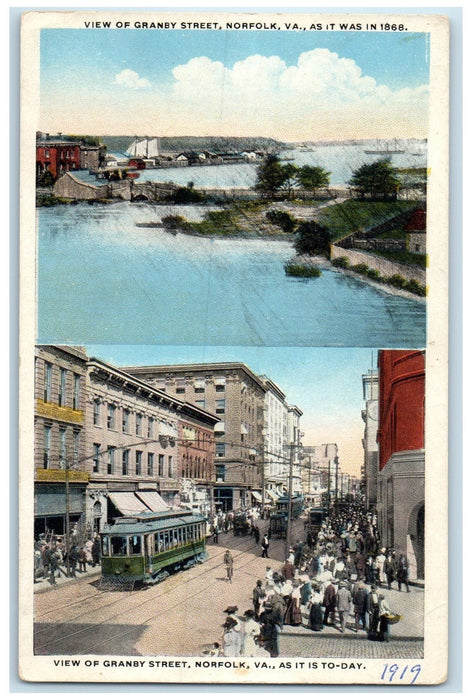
(43, 584)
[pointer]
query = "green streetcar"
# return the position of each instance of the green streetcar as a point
(147, 547)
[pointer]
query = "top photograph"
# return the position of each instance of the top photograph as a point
(237, 180)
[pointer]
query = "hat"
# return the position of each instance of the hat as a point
(231, 609)
(229, 622)
(268, 605)
(249, 613)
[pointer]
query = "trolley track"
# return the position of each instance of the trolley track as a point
(133, 605)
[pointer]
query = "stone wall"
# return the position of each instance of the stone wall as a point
(71, 187)
(387, 268)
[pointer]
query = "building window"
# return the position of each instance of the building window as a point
(139, 462)
(180, 390)
(150, 428)
(96, 412)
(47, 447)
(111, 417)
(139, 424)
(200, 403)
(220, 406)
(150, 460)
(220, 449)
(76, 446)
(76, 399)
(62, 448)
(199, 389)
(220, 472)
(161, 465)
(111, 460)
(125, 421)
(219, 388)
(169, 465)
(62, 388)
(125, 463)
(96, 457)
(47, 382)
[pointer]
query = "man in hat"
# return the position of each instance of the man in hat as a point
(343, 604)
(228, 562)
(329, 604)
(257, 595)
(359, 598)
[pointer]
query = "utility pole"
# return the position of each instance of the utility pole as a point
(67, 519)
(289, 511)
(262, 480)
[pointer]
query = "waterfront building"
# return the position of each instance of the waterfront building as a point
(140, 443)
(401, 479)
(60, 476)
(57, 155)
(370, 384)
(232, 392)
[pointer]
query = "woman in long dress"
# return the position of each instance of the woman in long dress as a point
(293, 615)
(316, 612)
(252, 630)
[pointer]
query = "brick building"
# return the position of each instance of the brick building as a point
(401, 479)
(60, 476)
(57, 156)
(140, 442)
(232, 392)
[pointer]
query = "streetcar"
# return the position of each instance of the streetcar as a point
(297, 505)
(278, 525)
(316, 517)
(148, 547)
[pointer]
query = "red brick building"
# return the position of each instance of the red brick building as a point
(401, 454)
(57, 157)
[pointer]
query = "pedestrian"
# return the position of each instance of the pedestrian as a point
(343, 604)
(271, 625)
(265, 547)
(73, 557)
(384, 613)
(380, 566)
(288, 570)
(359, 599)
(215, 534)
(402, 572)
(293, 615)
(316, 613)
(257, 534)
(82, 559)
(252, 630)
(329, 604)
(257, 596)
(52, 565)
(291, 556)
(228, 562)
(390, 571)
(96, 552)
(373, 610)
(231, 638)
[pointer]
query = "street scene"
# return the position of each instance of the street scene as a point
(185, 614)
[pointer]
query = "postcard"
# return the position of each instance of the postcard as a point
(233, 347)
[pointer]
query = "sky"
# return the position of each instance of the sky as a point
(325, 383)
(293, 86)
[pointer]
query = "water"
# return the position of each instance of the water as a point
(341, 161)
(103, 280)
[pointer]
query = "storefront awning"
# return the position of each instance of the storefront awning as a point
(243, 429)
(127, 503)
(271, 495)
(153, 501)
(256, 495)
(220, 427)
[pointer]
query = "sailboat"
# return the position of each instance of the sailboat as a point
(144, 147)
(387, 150)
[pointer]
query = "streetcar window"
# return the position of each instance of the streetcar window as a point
(105, 544)
(135, 544)
(166, 540)
(118, 546)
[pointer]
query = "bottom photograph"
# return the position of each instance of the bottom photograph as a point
(264, 505)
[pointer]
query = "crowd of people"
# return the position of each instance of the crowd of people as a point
(53, 559)
(339, 577)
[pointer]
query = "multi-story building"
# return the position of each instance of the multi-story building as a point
(370, 383)
(57, 155)
(60, 474)
(274, 445)
(294, 437)
(232, 392)
(140, 443)
(321, 471)
(401, 480)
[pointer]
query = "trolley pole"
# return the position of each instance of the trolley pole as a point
(289, 512)
(262, 481)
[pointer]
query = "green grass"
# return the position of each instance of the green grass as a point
(352, 215)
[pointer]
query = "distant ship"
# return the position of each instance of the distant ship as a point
(145, 147)
(387, 150)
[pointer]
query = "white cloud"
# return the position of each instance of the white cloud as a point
(130, 79)
(260, 94)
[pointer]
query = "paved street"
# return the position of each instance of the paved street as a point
(183, 615)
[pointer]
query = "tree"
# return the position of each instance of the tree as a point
(270, 175)
(312, 177)
(312, 238)
(290, 177)
(377, 180)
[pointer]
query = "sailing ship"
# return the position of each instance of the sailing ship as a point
(144, 147)
(387, 149)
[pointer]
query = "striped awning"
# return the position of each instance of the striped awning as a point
(153, 501)
(127, 502)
